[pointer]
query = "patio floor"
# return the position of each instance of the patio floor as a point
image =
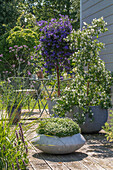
(96, 154)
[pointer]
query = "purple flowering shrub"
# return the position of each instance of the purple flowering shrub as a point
(16, 79)
(22, 64)
(18, 36)
(13, 147)
(54, 49)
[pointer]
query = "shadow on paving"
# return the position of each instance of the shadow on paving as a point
(99, 146)
(77, 156)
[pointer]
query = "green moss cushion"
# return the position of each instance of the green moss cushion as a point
(60, 127)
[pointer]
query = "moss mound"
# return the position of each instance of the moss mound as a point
(60, 127)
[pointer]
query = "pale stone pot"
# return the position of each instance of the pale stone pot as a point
(56, 145)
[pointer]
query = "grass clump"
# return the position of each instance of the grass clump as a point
(60, 127)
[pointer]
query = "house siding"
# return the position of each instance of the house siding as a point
(95, 9)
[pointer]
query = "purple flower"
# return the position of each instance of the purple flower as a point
(25, 46)
(10, 48)
(26, 148)
(29, 73)
(23, 140)
(17, 163)
(52, 44)
(15, 46)
(20, 47)
(21, 128)
(13, 166)
(31, 57)
(15, 143)
(24, 162)
(61, 77)
(16, 134)
(32, 85)
(28, 63)
(9, 80)
(27, 93)
(1, 55)
(13, 65)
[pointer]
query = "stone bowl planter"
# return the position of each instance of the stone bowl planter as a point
(56, 145)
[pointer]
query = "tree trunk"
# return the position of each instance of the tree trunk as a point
(58, 80)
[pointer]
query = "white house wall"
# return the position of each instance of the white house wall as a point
(95, 9)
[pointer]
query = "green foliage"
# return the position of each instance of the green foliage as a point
(92, 83)
(9, 12)
(26, 20)
(58, 127)
(11, 95)
(109, 128)
(17, 36)
(13, 147)
(47, 9)
(14, 91)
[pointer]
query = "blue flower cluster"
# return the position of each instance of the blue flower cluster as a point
(55, 50)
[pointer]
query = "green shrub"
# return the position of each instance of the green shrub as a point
(17, 37)
(60, 127)
(13, 147)
(109, 129)
(92, 83)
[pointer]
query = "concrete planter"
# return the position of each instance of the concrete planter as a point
(100, 117)
(56, 145)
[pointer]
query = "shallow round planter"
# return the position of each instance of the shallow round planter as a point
(100, 117)
(56, 145)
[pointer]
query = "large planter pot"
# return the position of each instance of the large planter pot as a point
(100, 117)
(56, 145)
(14, 113)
